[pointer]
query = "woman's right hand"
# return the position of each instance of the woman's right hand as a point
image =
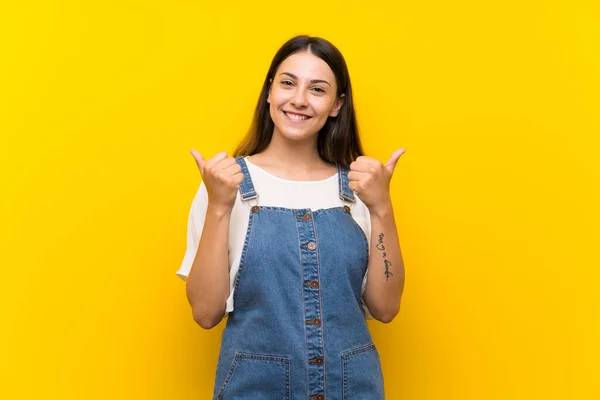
(222, 176)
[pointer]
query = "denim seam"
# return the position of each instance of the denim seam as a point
(298, 221)
(314, 226)
(297, 210)
(363, 236)
(247, 181)
(347, 355)
(228, 377)
(344, 379)
(284, 361)
(345, 192)
(243, 258)
(357, 350)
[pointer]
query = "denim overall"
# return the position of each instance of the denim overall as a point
(298, 330)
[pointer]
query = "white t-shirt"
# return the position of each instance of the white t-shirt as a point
(272, 191)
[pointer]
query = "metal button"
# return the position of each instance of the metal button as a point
(307, 217)
(319, 361)
(316, 322)
(317, 397)
(347, 209)
(314, 284)
(312, 245)
(255, 209)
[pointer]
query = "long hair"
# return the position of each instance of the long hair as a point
(338, 140)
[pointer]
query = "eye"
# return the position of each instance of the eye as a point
(319, 89)
(287, 83)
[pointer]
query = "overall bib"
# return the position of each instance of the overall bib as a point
(298, 330)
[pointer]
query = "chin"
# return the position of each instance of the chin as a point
(296, 135)
(292, 131)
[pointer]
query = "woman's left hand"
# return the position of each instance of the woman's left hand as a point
(370, 180)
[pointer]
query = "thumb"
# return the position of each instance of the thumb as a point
(199, 160)
(391, 164)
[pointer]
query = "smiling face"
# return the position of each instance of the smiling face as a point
(302, 96)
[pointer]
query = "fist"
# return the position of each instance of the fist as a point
(222, 176)
(370, 179)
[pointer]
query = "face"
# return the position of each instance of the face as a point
(302, 96)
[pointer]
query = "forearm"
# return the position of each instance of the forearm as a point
(207, 285)
(385, 280)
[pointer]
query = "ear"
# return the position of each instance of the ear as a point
(337, 107)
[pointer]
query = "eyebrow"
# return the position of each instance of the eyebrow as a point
(312, 81)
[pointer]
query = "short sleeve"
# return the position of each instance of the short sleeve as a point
(195, 225)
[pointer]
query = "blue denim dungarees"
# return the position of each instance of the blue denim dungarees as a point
(298, 330)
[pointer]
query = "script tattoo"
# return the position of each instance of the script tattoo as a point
(387, 263)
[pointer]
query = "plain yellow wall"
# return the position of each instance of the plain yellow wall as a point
(496, 198)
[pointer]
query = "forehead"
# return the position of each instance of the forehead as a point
(306, 66)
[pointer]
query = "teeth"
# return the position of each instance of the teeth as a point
(296, 117)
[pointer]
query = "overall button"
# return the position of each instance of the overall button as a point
(312, 284)
(255, 209)
(307, 216)
(317, 397)
(317, 360)
(347, 209)
(312, 245)
(315, 322)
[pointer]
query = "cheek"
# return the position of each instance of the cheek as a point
(324, 108)
(279, 97)
(273, 111)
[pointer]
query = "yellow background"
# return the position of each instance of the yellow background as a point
(496, 198)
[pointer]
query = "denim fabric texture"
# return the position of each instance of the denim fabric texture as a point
(298, 330)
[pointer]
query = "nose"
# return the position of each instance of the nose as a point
(299, 99)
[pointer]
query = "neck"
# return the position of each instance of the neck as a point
(302, 154)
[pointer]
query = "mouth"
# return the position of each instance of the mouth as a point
(296, 117)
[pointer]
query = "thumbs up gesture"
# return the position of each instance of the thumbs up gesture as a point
(370, 180)
(222, 176)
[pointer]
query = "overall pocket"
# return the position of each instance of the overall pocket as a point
(257, 376)
(361, 373)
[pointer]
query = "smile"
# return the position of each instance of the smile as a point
(296, 117)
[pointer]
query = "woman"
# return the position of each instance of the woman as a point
(306, 251)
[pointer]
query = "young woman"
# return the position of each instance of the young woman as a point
(293, 239)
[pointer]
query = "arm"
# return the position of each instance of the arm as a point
(370, 180)
(385, 278)
(207, 285)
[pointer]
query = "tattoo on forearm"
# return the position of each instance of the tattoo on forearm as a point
(386, 262)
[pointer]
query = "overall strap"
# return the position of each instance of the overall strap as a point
(246, 187)
(345, 192)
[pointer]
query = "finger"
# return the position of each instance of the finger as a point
(238, 178)
(199, 160)
(360, 166)
(232, 181)
(391, 164)
(356, 176)
(232, 169)
(225, 163)
(355, 186)
(216, 158)
(368, 160)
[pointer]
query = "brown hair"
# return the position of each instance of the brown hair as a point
(338, 140)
